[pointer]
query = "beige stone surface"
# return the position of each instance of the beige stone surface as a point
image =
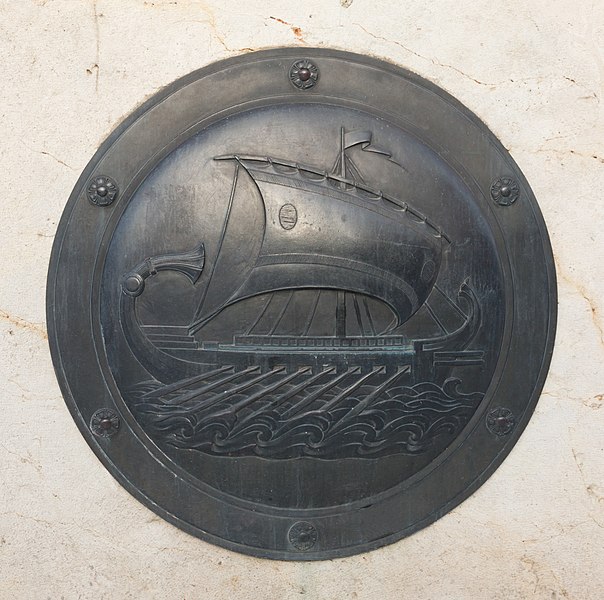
(71, 69)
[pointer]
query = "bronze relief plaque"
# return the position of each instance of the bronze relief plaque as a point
(301, 304)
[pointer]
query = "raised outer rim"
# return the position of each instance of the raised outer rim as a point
(53, 325)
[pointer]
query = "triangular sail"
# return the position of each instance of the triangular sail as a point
(323, 231)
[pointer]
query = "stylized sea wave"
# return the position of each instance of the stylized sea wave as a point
(400, 419)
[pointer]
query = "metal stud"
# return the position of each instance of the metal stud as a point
(304, 74)
(105, 423)
(303, 535)
(102, 190)
(505, 191)
(500, 421)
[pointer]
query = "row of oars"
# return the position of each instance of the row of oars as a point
(226, 375)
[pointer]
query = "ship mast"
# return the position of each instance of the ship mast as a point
(225, 224)
(342, 154)
(341, 295)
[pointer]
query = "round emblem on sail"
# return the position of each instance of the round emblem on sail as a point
(334, 313)
(288, 216)
(428, 270)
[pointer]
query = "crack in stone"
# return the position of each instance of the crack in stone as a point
(57, 159)
(595, 46)
(595, 402)
(565, 153)
(73, 526)
(29, 460)
(30, 518)
(96, 67)
(25, 391)
(563, 530)
(595, 311)
(590, 488)
(532, 20)
(296, 30)
(535, 569)
(556, 395)
(211, 21)
(592, 94)
(434, 61)
(23, 324)
(218, 36)
(46, 153)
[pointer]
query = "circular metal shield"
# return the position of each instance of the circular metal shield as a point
(301, 303)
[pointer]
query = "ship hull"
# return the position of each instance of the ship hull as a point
(425, 360)
(391, 360)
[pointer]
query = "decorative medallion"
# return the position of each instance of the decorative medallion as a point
(500, 421)
(104, 422)
(102, 191)
(303, 536)
(304, 74)
(315, 319)
(505, 191)
(288, 216)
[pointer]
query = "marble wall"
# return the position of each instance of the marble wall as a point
(70, 70)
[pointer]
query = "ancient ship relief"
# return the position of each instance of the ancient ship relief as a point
(297, 345)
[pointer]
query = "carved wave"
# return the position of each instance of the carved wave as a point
(400, 419)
